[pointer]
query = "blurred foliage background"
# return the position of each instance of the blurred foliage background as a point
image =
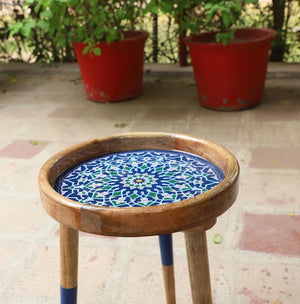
(162, 45)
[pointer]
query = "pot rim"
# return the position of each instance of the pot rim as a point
(270, 34)
(138, 34)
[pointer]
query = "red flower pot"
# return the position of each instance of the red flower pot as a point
(231, 77)
(117, 74)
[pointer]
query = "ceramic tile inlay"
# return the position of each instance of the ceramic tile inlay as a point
(139, 178)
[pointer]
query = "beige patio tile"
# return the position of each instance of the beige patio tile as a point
(276, 158)
(22, 214)
(49, 105)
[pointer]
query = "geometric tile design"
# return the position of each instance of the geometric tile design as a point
(276, 234)
(24, 149)
(139, 178)
(276, 158)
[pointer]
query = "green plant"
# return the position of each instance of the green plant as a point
(283, 16)
(87, 21)
(197, 15)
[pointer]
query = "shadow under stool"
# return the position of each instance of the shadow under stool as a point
(140, 184)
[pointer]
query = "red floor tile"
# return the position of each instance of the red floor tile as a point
(279, 234)
(276, 158)
(25, 149)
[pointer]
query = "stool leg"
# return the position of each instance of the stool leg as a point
(166, 252)
(196, 248)
(68, 265)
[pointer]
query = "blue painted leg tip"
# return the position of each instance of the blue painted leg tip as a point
(166, 249)
(68, 295)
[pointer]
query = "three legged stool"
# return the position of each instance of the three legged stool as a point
(140, 184)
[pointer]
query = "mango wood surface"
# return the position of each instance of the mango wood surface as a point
(196, 248)
(169, 283)
(143, 221)
(68, 257)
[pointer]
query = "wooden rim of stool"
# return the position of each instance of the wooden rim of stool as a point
(142, 221)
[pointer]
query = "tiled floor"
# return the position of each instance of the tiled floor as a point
(44, 109)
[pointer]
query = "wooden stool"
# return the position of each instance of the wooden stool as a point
(140, 184)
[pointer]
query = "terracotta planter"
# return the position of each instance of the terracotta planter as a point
(231, 77)
(117, 74)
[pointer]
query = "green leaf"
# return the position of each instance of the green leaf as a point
(37, 7)
(61, 41)
(121, 15)
(31, 24)
(46, 14)
(236, 5)
(225, 37)
(112, 35)
(217, 239)
(97, 51)
(28, 2)
(226, 20)
(44, 25)
(225, 9)
(187, 3)
(152, 7)
(15, 28)
(85, 50)
(26, 29)
(102, 15)
(210, 15)
(219, 37)
(67, 21)
(208, 5)
(166, 7)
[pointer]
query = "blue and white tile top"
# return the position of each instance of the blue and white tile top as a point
(139, 178)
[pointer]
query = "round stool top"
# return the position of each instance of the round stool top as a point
(139, 178)
(178, 181)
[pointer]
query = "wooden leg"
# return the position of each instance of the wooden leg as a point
(166, 251)
(68, 265)
(196, 247)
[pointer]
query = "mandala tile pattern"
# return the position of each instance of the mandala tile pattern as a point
(139, 178)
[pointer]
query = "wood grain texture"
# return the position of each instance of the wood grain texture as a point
(196, 247)
(155, 220)
(169, 283)
(68, 257)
